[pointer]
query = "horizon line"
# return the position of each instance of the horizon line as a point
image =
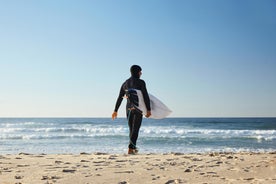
(147, 118)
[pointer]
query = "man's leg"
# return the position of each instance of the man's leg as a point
(134, 123)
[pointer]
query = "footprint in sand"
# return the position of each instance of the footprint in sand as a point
(23, 165)
(50, 178)
(98, 162)
(188, 170)
(6, 170)
(121, 172)
(68, 170)
(123, 182)
(18, 177)
(121, 161)
(176, 181)
(112, 157)
(156, 178)
(58, 162)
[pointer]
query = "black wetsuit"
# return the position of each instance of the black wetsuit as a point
(134, 116)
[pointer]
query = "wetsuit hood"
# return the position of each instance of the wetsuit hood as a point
(134, 70)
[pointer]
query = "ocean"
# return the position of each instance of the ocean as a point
(179, 135)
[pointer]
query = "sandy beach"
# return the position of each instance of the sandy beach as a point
(171, 168)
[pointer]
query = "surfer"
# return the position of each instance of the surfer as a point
(134, 116)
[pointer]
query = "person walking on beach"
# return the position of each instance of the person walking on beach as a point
(134, 115)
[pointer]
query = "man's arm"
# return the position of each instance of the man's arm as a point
(118, 102)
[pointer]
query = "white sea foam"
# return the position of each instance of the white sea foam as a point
(68, 135)
(175, 132)
(149, 131)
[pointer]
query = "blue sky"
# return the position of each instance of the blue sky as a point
(202, 58)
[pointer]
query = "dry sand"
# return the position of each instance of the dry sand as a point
(135, 169)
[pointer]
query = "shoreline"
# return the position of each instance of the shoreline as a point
(168, 168)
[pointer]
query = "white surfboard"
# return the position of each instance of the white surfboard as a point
(158, 109)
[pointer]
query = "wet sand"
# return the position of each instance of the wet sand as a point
(172, 168)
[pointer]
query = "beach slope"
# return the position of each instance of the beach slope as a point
(145, 168)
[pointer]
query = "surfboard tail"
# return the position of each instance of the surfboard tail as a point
(158, 109)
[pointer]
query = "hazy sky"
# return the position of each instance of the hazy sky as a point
(203, 58)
